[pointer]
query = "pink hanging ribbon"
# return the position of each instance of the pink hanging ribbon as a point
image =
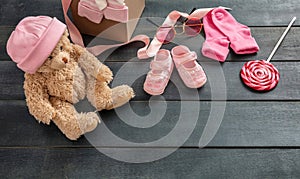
(149, 50)
(96, 50)
(171, 20)
(74, 32)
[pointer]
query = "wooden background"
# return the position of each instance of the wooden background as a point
(259, 136)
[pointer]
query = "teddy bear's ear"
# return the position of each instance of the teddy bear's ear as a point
(65, 37)
(66, 33)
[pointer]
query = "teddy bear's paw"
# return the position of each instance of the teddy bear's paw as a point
(88, 121)
(104, 74)
(121, 95)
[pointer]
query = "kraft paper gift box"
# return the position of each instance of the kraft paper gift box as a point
(109, 29)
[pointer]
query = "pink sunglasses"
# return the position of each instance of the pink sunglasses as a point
(165, 33)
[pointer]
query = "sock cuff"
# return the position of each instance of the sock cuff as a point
(244, 45)
(216, 49)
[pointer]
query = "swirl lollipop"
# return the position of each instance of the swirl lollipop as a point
(261, 75)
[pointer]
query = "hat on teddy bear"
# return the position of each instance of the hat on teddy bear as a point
(33, 40)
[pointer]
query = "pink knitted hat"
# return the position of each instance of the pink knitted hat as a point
(33, 40)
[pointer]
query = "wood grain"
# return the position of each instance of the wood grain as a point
(11, 82)
(266, 38)
(245, 124)
(251, 12)
(259, 136)
(184, 163)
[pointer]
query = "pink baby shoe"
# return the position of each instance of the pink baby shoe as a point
(33, 40)
(216, 43)
(161, 69)
(90, 10)
(189, 70)
(239, 35)
(116, 11)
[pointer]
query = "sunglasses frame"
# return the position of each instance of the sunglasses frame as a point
(172, 28)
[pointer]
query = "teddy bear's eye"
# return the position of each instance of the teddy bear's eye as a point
(61, 48)
(50, 57)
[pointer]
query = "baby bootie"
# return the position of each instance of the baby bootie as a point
(189, 70)
(116, 11)
(159, 75)
(119, 3)
(102, 4)
(90, 10)
(239, 35)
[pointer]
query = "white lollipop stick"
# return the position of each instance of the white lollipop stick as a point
(281, 38)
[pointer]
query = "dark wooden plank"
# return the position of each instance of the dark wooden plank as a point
(12, 11)
(11, 82)
(245, 11)
(15, 118)
(266, 38)
(5, 32)
(268, 121)
(10, 18)
(250, 12)
(262, 124)
(184, 163)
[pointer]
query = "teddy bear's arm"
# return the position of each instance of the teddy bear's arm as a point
(92, 66)
(37, 98)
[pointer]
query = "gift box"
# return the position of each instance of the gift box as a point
(110, 29)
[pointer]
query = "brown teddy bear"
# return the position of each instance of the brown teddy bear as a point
(58, 74)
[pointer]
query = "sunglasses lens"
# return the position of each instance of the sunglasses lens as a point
(193, 26)
(165, 34)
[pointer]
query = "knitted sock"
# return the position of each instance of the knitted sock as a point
(239, 35)
(216, 43)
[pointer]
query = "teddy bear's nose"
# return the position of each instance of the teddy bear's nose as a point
(64, 59)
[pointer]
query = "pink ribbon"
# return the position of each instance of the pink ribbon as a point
(171, 20)
(96, 50)
(149, 50)
(74, 32)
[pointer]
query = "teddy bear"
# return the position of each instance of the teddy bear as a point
(59, 74)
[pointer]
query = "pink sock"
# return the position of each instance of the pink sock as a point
(216, 43)
(239, 35)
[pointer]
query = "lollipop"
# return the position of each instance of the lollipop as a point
(261, 75)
